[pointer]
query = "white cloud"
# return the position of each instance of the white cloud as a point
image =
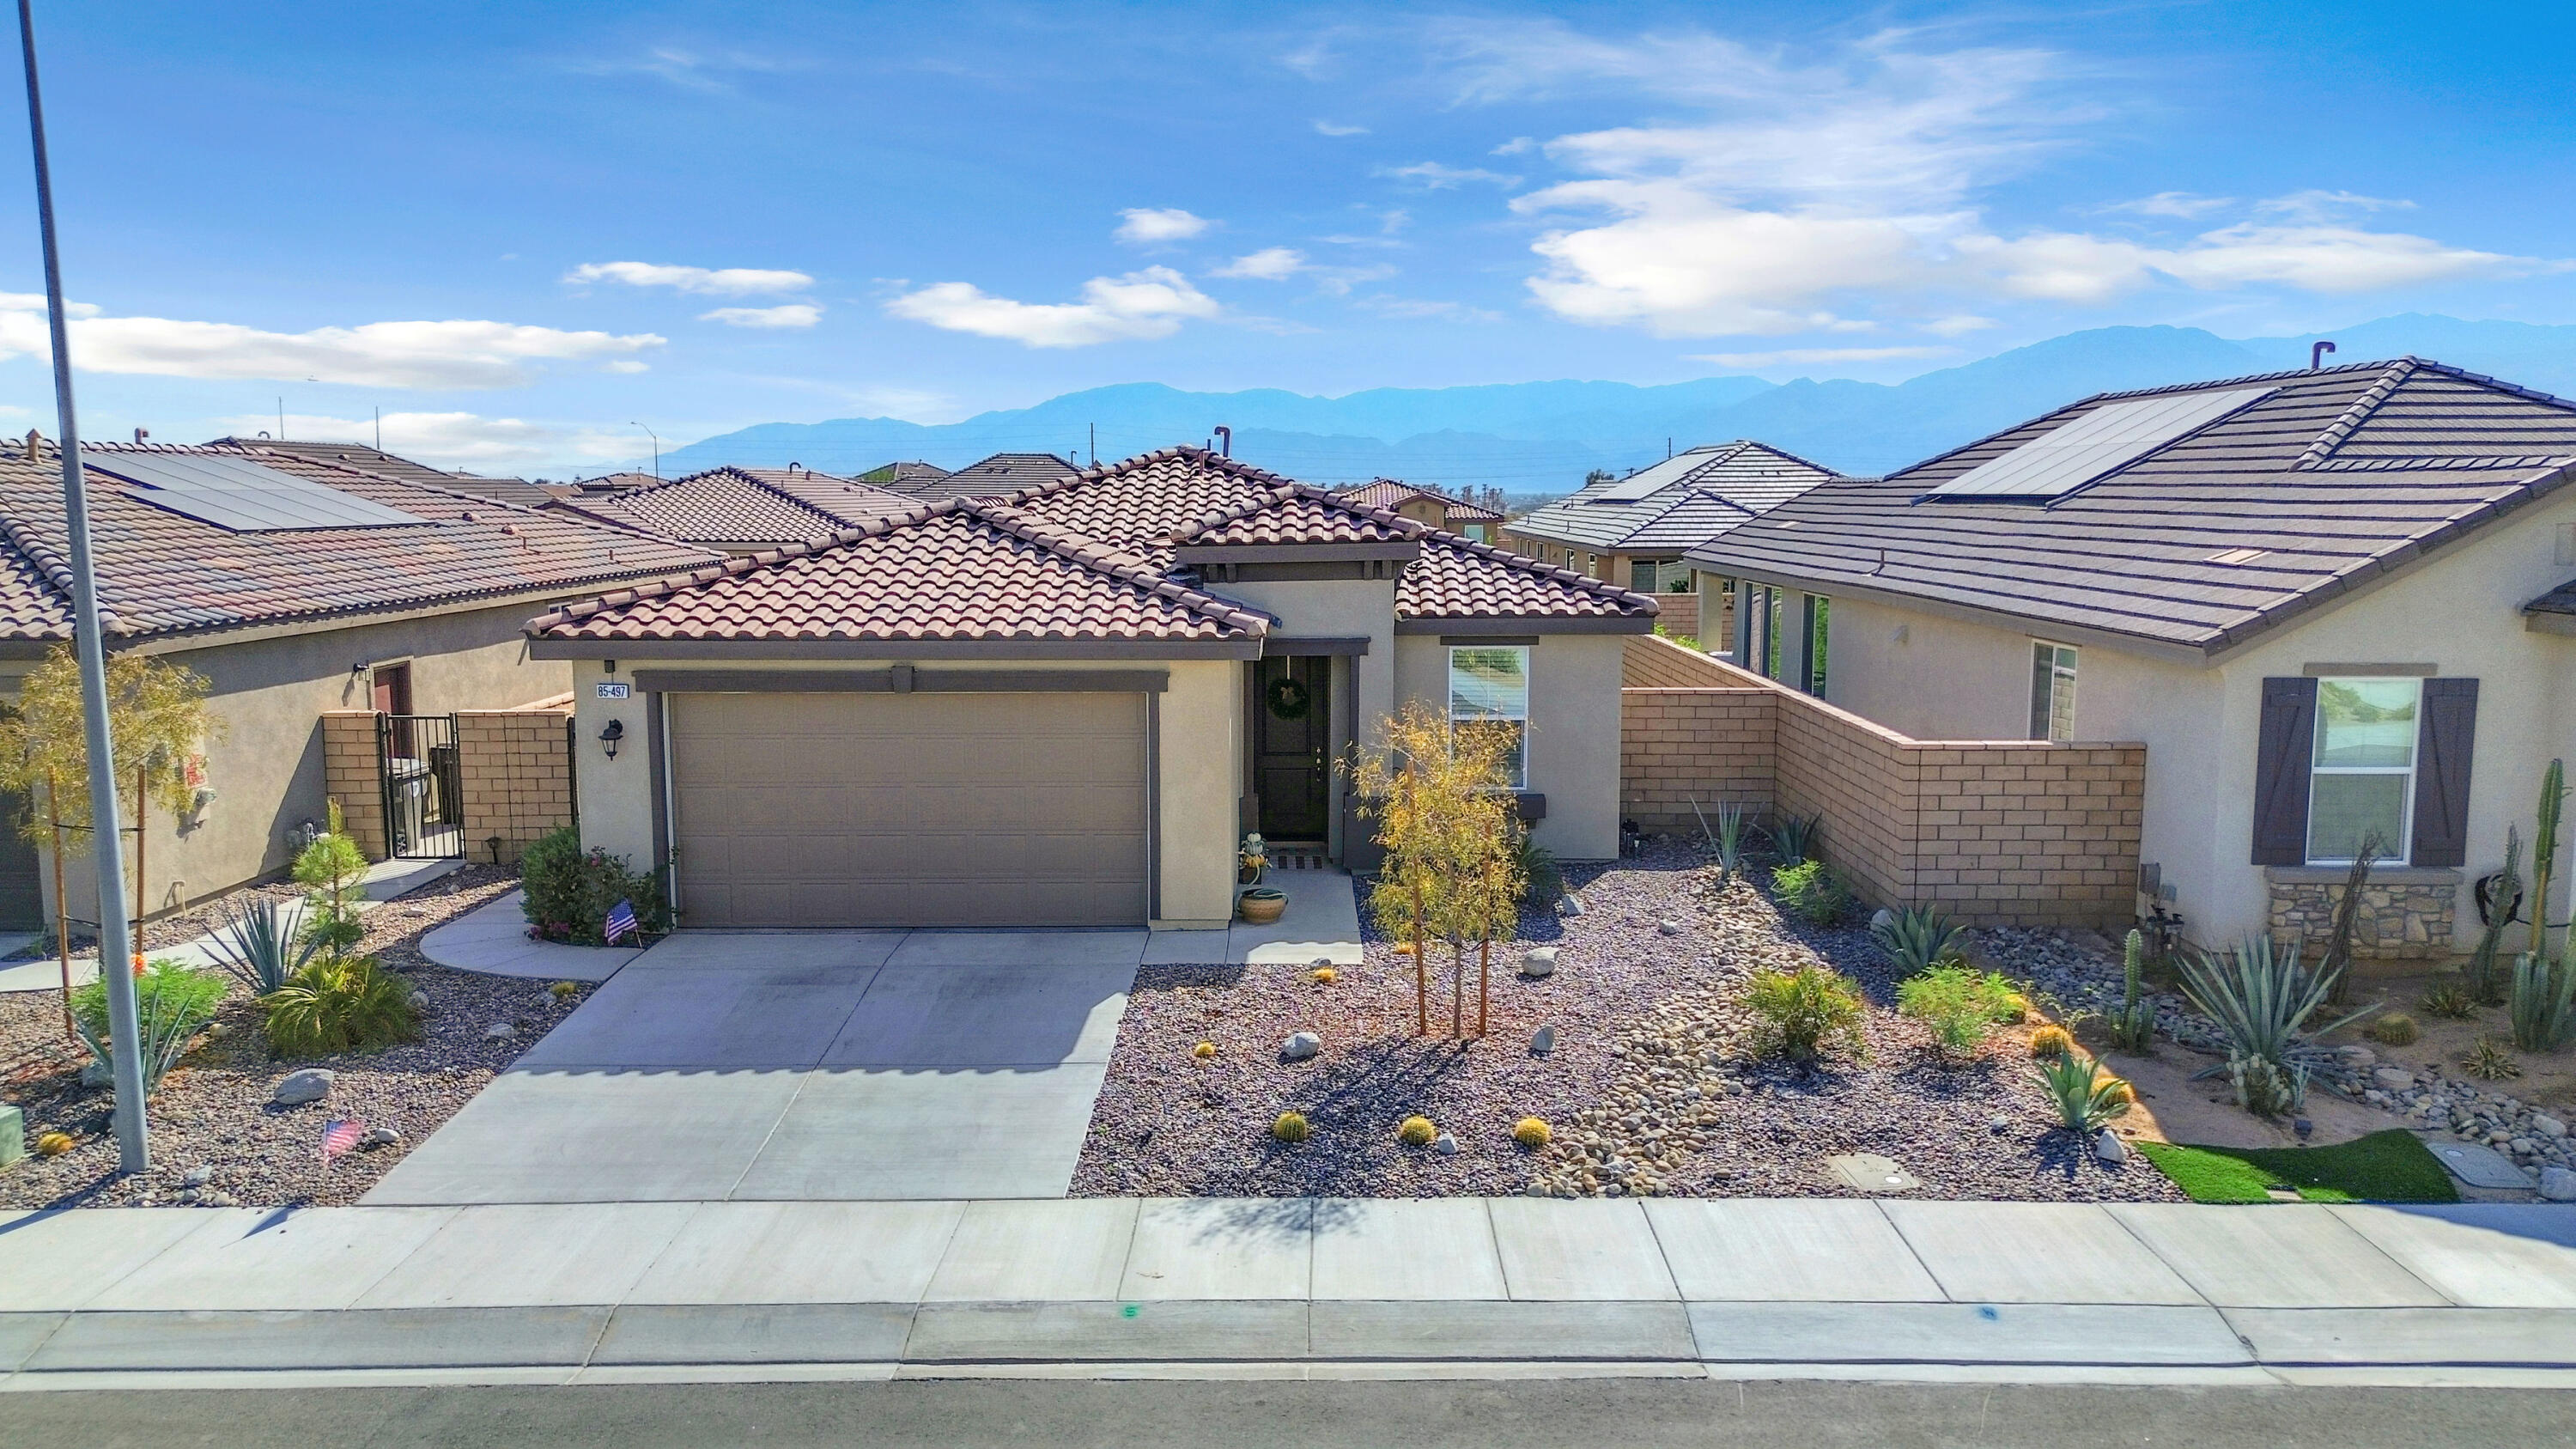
(2325, 206)
(464, 441)
(1809, 356)
(1516, 146)
(1424, 309)
(1144, 304)
(2063, 267)
(1958, 326)
(1328, 128)
(2182, 204)
(433, 355)
(793, 314)
(1155, 225)
(720, 282)
(35, 302)
(1432, 176)
(1270, 264)
(687, 69)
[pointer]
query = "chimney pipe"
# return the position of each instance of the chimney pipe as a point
(2317, 350)
(1224, 441)
(141, 433)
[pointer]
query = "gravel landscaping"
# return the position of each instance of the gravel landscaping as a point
(217, 1139)
(1649, 1087)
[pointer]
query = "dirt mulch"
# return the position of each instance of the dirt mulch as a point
(213, 1112)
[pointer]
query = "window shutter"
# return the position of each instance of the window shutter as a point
(2444, 739)
(2281, 759)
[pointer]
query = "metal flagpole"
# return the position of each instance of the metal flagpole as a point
(115, 948)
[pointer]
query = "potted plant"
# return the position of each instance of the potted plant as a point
(1261, 905)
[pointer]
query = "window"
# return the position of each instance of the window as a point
(2362, 779)
(1489, 689)
(1819, 623)
(2052, 692)
(1679, 579)
(1641, 575)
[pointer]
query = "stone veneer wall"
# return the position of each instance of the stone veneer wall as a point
(1997, 832)
(516, 765)
(2406, 914)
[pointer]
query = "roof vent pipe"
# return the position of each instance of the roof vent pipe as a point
(2317, 350)
(1224, 441)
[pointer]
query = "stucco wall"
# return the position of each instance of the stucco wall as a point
(1201, 771)
(2460, 613)
(1573, 734)
(267, 772)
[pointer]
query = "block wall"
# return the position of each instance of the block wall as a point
(516, 766)
(352, 774)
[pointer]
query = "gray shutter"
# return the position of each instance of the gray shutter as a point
(2444, 739)
(2282, 756)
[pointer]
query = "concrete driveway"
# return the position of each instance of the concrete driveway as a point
(804, 1065)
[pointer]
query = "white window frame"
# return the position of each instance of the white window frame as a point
(2045, 719)
(1520, 762)
(2401, 849)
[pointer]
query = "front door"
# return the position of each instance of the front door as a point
(1292, 745)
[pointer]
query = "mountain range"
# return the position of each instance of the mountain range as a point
(1538, 439)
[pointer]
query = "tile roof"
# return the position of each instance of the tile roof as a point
(995, 567)
(2334, 478)
(1705, 491)
(903, 477)
(163, 573)
(618, 482)
(994, 477)
(1388, 493)
(948, 572)
(739, 506)
(400, 469)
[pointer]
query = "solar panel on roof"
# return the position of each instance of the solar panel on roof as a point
(1647, 482)
(2102, 441)
(239, 495)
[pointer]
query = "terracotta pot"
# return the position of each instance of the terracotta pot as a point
(1261, 906)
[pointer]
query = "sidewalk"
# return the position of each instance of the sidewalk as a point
(1290, 1288)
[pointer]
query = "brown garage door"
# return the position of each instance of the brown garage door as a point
(932, 809)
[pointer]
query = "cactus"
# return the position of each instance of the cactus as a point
(2133, 1026)
(2544, 853)
(1416, 1132)
(1531, 1132)
(2394, 1029)
(1291, 1127)
(2050, 1041)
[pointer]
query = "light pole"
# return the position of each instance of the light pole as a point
(657, 449)
(115, 949)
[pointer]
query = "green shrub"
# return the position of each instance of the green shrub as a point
(1804, 1009)
(1918, 938)
(1793, 837)
(1542, 884)
(340, 1005)
(172, 1003)
(570, 891)
(2085, 1096)
(1811, 891)
(1960, 1004)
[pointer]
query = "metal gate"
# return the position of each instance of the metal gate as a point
(423, 784)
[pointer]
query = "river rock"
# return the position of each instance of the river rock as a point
(2109, 1147)
(1543, 1041)
(1569, 907)
(2557, 1184)
(1445, 1145)
(382, 1137)
(2547, 1126)
(2395, 1079)
(1538, 961)
(500, 1031)
(311, 1084)
(1300, 1046)
(1668, 928)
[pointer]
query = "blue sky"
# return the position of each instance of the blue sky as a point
(520, 230)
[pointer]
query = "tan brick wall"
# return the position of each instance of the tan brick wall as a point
(1679, 615)
(352, 773)
(517, 772)
(1995, 831)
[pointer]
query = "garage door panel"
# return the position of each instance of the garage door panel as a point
(924, 809)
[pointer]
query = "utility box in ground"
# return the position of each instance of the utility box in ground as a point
(13, 1134)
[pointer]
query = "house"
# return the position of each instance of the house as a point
(1424, 506)
(1634, 530)
(903, 477)
(744, 510)
(389, 465)
(615, 483)
(1064, 707)
(2330, 603)
(998, 476)
(297, 586)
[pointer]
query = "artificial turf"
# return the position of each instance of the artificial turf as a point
(2391, 1166)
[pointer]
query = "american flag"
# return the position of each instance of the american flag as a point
(621, 921)
(340, 1134)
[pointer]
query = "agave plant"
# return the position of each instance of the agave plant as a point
(1734, 824)
(1793, 837)
(2085, 1095)
(2263, 1001)
(1917, 937)
(172, 1003)
(263, 942)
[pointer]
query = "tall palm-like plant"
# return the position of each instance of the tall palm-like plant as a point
(2263, 1000)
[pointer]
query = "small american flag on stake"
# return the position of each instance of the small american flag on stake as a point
(621, 922)
(341, 1134)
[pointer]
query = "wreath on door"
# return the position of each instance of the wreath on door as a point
(1287, 699)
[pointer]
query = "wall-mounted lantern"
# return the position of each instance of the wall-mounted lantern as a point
(610, 736)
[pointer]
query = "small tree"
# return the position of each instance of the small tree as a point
(1444, 815)
(330, 870)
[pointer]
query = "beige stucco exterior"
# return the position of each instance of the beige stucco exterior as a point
(1938, 677)
(1573, 730)
(269, 692)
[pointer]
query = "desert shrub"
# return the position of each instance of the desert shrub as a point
(1416, 1132)
(570, 891)
(1802, 1010)
(1291, 1127)
(262, 942)
(172, 1003)
(1793, 837)
(2085, 1096)
(2263, 1001)
(340, 1005)
(1531, 1132)
(1917, 938)
(1811, 891)
(1542, 884)
(2450, 1000)
(1959, 1003)
(2051, 1041)
(2491, 1059)
(2394, 1029)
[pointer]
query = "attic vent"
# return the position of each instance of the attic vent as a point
(2238, 556)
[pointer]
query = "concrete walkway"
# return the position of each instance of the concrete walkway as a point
(1291, 1288)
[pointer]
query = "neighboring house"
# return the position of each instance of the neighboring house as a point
(295, 586)
(1633, 531)
(903, 477)
(400, 469)
(745, 510)
(998, 476)
(1424, 506)
(1065, 707)
(2328, 602)
(616, 483)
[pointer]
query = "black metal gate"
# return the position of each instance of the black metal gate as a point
(423, 784)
